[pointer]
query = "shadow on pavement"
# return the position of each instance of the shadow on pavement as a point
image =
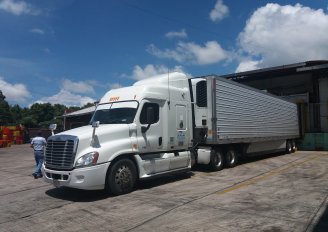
(155, 182)
(242, 160)
(322, 224)
(250, 159)
(77, 195)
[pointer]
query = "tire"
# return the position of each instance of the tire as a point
(121, 177)
(294, 147)
(289, 147)
(231, 157)
(216, 160)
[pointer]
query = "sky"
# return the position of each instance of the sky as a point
(72, 52)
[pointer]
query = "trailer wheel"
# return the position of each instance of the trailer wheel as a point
(294, 147)
(216, 160)
(121, 177)
(289, 147)
(231, 157)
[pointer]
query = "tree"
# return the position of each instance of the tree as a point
(5, 114)
(73, 108)
(88, 105)
(16, 112)
(42, 113)
(38, 115)
(29, 122)
(59, 110)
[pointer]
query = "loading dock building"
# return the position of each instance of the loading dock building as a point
(304, 83)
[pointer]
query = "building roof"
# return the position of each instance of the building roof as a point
(297, 68)
(84, 111)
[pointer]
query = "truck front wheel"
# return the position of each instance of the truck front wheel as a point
(121, 177)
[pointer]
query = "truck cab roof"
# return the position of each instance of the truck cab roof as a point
(155, 87)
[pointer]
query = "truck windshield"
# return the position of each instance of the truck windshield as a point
(115, 113)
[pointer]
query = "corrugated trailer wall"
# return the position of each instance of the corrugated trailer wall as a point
(244, 114)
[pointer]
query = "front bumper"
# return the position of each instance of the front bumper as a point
(89, 178)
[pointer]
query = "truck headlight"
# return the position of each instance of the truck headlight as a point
(87, 159)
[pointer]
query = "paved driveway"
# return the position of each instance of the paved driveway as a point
(275, 193)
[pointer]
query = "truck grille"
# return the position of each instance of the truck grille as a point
(60, 152)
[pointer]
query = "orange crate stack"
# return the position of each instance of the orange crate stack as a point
(10, 135)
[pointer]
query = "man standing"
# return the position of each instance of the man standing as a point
(38, 143)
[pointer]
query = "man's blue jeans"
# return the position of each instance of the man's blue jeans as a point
(38, 155)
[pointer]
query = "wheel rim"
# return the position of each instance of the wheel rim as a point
(123, 177)
(217, 159)
(289, 147)
(294, 146)
(231, 157)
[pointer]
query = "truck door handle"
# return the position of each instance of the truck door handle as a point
(160, 140)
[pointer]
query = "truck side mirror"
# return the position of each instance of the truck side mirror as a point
(52, 127)
(95, 124)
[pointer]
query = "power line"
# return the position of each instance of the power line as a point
(153, 13)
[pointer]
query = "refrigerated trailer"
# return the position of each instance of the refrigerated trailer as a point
(233, 120)
(166, 124)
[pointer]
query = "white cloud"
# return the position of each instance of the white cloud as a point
(115, 86)
(177, 34)
(78, 87)
(276, 35)
(248, 65)
(47, 50)
(219, 12)
(14, 92)
(37, 31)
(67, 98)
(150, 70)
(210, 53)
(72, 94)
(18, 7)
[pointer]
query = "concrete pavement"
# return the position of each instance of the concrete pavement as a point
(275, 193)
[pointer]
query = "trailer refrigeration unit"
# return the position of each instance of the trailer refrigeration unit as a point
(166, 124)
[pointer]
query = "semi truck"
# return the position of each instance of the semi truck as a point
(165, 125)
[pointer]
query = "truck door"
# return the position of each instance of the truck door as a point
(151, 134)
(150, 137)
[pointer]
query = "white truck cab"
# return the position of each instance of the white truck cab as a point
(136, 132)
